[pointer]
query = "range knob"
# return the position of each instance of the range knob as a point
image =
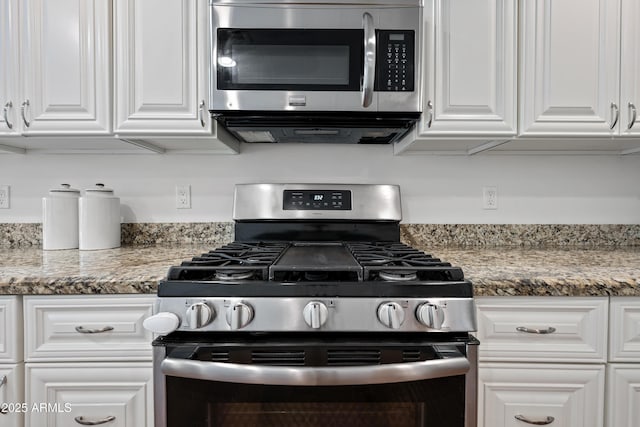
(430, 315)
(199, 315)
(315, 314)
(239, 315)
(391, 314)
(162, 323)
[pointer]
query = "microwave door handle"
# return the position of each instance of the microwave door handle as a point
(369, 59)
(314, 376)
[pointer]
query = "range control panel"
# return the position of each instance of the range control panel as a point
(327, 200)
(395, 58)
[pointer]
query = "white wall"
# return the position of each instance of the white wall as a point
(531, 189)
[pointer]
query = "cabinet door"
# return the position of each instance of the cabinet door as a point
(12, 395)
(569, 67)
(624, 335)
(630, 71)
(161, 68)
(623, 395)
(470, 68)
(554, 394)
(113, 394)
(10, 329)
(66, 51)
(8, 67)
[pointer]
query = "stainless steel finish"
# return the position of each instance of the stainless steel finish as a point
(544, 422)
(82, 421)
(430, 315)
(471, 386)
(23, 113)
(315, 314)
(159, 388)
(239, 315)
(279, 314)
(549, 330)
(314, 376)
(370, 202)
(369, 59)
(391, 314)
(631, 121)
(307, 15)
(5, 112)
(202, 112)
(199, 315)
(287, 3)
(84, 330)
(615, 113)
(297, 101)
(430, 111)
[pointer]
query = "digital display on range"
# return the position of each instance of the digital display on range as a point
(327, 200)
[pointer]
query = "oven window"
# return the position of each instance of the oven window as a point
(293, 59)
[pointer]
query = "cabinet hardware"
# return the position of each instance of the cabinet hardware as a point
(25, 104)
(615, 115)
(3, 381)
(631, 122)
(544, 422)
(83, 330)
(549, 330)
(201, 113)
(6, 115)
(82, 421)
(430, 109)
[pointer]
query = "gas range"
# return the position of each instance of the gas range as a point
(311, 260)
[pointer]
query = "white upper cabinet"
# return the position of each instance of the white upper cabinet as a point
(569, 67)
(630, 69)
(161, 68)
(65, 67)
(8, 67)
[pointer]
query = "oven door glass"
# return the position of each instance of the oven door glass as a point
(289, 59)
(354, 386)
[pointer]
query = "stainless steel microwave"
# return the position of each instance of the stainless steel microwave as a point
(293, 68)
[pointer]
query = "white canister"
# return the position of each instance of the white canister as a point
(60, 218)
(99, 219)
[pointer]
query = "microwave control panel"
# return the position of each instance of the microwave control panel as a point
(395, 61)
(327, 200)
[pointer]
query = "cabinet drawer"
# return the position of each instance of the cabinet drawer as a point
(511, 329)
(118, 393)
(624, 341)
(10, 329)
(560, 395)
(86, 328)
(12, 395)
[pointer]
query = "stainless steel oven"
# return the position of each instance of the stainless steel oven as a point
(316, 315)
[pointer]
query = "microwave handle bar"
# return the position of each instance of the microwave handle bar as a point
(314, 376)
(369, 59)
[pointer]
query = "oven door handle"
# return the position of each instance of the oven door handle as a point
(314, 376)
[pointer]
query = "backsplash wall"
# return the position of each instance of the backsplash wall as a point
(435, 189)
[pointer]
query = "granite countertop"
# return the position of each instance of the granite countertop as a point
(493, 271)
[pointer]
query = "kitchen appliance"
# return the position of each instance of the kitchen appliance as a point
(315, 315)
(316, 71)
(99, 219)
(60, 218)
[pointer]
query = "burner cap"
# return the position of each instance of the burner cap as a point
(234, 274)
(398, 275)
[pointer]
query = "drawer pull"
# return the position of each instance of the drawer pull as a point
(81, 420)
(83, 330)
(3, 381)
(544, 422)
(549, 330)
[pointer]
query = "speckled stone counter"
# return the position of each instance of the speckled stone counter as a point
(494, 271)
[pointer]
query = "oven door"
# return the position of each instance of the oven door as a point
(429, 384)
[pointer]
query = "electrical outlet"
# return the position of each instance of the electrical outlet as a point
(4, 196)
(183, 197)
(489, 197)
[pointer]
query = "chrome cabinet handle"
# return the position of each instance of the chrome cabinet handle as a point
(549, 330)
(83, 330)
(6, 114)
(615, 114)
(631, 122)
(544, 422)
(369, 59)
(430, 110)
(25, 104)
(313, 376)
(3, 381)
(201, 113)
(82, 421)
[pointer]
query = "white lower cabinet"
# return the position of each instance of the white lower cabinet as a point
(12, 407)
(519, 394)
(73, 394)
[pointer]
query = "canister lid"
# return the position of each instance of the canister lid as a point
(64, 188)
(99, 189)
